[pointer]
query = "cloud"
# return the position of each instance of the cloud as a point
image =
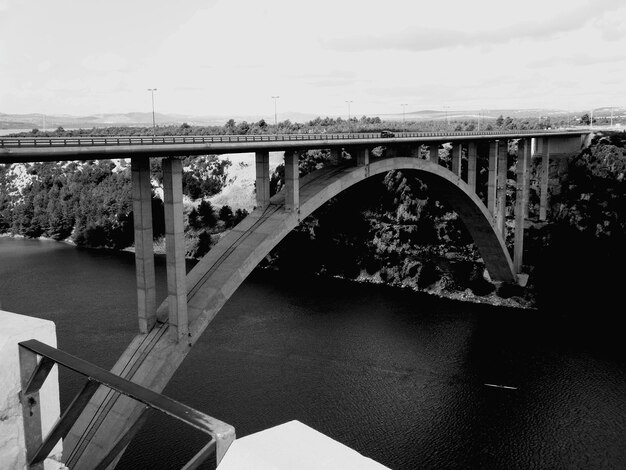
(578, 60)
(105, 63)
(611, 28)
(539, 26)
(44, 66)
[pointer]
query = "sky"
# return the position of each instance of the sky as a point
(325, 57)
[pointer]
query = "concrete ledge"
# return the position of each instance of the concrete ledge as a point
(293, 445)
(17, 328)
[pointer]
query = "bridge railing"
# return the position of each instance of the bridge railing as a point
(12, 142)
(34, 372)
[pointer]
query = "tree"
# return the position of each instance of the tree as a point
(226, 215)
(207, 214)
(586, 120)
(194, 219)
(240, 214)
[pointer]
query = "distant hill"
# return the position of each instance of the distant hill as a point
(50, 122)
(487, 114)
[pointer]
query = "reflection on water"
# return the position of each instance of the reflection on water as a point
(398, 376)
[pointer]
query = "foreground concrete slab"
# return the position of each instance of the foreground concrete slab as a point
(17, 328)
(293, 445)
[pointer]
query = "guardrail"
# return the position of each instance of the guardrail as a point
(13, 142)
(33, 374)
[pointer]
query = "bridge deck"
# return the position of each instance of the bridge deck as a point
(31, 149)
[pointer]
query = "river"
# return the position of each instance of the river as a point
(399, 376)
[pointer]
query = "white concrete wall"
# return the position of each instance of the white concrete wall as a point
(14, 329)
(293, 445)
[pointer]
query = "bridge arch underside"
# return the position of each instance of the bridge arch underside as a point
(151, 359)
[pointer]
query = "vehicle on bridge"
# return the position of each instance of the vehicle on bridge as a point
(386, 134)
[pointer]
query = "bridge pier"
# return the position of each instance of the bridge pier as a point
(434, 153)
(520, 203)
(292, 182)
(491, 177)
(363, 157)
(175, 248)
(472, 156)
(262, 160)
(544, 179)
(457, 152)
(503, 161)
(144, 251)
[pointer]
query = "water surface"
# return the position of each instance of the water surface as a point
(397, 375)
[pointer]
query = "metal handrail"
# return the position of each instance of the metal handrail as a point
(34, 372)
(11, 142)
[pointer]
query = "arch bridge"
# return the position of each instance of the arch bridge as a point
(169, 331)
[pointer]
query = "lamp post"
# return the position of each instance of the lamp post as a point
(275, 115)
(403, 115)
(152, 90)
(447, 120)
(348, 101)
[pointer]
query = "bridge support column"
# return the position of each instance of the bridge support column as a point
(491, 177)
(175, 248)
(520, 203)
(434, 153)
(472, 157)
(262, 159)
(544, 180)
(457, 152)
(416, 152)
(503, 161)
(292, 182)
(363, 157)
(144, 250)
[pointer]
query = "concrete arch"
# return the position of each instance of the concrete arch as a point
(151, 359)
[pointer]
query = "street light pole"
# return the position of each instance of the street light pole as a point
(447, 120)
(152, 90)
(275, 115)
(348, 101)
(403, 115)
